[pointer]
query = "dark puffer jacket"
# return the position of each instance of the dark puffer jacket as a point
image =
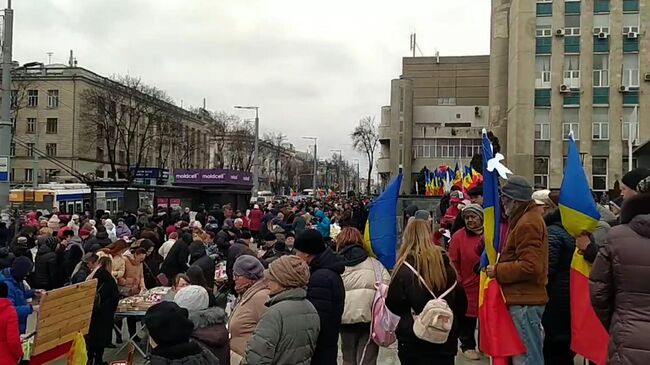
(48, 274)
(406, 294)
(187, 353)
(557, 314)
(619, 285)
(98, 242)
(6, 257)
(327, 293)
(210, 331)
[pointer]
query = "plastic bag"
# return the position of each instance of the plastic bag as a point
(77, 354)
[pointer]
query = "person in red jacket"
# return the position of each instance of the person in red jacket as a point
(465, 257)
(11, 350)
(255, 217)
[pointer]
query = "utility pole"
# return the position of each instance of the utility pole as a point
(5, 112)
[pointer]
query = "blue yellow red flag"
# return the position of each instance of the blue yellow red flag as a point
(498, 335)
(380, 235)
(580, 215)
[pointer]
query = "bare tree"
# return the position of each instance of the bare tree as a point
(277, 142)
(220, 125)
(123, 114)
(241, 146)
(364, 139)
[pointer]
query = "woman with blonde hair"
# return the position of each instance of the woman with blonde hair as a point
(115, 252)
(359, 278)
(423, 268)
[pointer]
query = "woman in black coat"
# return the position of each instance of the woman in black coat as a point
(557, 314)
(176, 261)
(101, 323)
(48, 274)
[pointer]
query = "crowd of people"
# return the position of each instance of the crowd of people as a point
(300, 286)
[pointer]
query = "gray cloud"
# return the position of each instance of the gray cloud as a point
(315, 68)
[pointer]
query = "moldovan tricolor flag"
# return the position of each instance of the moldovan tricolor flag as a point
(579, 214)
(380, 235)
(498, 335)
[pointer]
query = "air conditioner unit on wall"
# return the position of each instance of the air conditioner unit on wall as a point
(633, 35)
(623, 89)
(646, 76)
(559, 32)
(565, 88)
(603, 35)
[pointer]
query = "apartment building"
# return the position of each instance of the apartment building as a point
(52, 137)
(558, 66)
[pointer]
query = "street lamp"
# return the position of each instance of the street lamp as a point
(315, 139)
(256, 164)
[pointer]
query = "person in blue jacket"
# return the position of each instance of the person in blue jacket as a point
(14, 277)
(323, 225)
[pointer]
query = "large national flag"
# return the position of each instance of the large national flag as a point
(498, 335)
(467, 177)
(579, 214)
(380, 235)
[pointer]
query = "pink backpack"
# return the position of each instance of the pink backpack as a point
(384, 322)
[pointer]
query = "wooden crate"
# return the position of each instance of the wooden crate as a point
(64, 312)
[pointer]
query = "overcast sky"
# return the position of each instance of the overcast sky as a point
(314, 67)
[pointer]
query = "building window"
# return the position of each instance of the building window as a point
(29, 174)
(599, 173)
(601, 70)
(572, 71)
(99, 154)
(541, 172)
(31, 125)
(99, 174)
(30, 149)
(630, 121)
(53, 99)
(448, 100)
(122, 157)
(14, 99)
(543, 72)
(630, 5)
(631, 69)
(32, 98)
(542, 124)
(630, 23)
(446, 148)
(52, 125)
(571, 25)
(600, 126)
(601, 24)
(401, 125)
(543, 26)
(571, 122)
(50, 149)
(601, 6)
(12, 149)
(401, 100)
(626, 162)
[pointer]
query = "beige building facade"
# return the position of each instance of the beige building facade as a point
(437, 110)
(51, 137)
(561, 65)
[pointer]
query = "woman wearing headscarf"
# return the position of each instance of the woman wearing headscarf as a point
(465, 257)
(288, 331)
(209, 322)
(359, 278)
(252, 287)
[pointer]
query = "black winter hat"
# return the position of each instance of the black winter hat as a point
(168, 324)
(476, 191)
(21, 267)
(634, 177)
(310, 242)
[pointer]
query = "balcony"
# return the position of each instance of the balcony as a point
(384, 132)
(383, 165)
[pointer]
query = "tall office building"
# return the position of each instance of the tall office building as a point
(564, 65)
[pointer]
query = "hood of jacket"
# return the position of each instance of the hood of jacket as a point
(638, 205)
(43, 249)
(554, 217)
(353, 255)
(641, 225)
(291, 294)
(328, 260)
(320, 214)
(101, 235)
(4, 251)
(208, 317)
